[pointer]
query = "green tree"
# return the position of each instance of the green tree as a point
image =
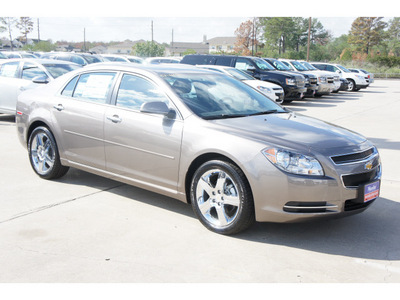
(366, 32)
(25, 25)
(277, 32)
(393, 41)
(8, 24)
(148, 49)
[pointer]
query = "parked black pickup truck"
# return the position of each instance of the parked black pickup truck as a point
(292, 84)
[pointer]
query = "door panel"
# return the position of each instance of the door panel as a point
(79, 114)
(143, 147)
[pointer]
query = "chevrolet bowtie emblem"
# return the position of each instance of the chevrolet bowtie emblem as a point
(368, 165)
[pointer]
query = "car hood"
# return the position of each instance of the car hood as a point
(293, 130)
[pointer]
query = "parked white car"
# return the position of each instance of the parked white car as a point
(162, 60)
(326, 80)
(356, 81)
(271, 90)
(362, 72)
(18, 75)
(122, 58)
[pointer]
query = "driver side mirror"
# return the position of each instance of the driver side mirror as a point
(41, 80)
(159, 108)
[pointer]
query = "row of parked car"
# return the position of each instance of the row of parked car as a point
(282, 80)
(298, 79)
(84, 59)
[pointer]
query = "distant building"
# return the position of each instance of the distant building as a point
(222, 44)
(124, 47)
(179, 48)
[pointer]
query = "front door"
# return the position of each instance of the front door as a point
(142, 147)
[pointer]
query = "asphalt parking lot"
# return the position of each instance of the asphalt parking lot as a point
(84, 228)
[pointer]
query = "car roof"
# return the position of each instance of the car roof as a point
(40, 61)
(160, 68)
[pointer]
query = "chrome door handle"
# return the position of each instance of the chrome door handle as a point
(59, 107)
(114, 119)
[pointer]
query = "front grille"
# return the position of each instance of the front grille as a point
(355, 180)
(330, 79)
(313, 81)
(300, 82)
(353, 157)
(309, 207)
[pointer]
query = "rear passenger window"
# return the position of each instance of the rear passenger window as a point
(134, 91)
(223, 61)
(94, 87)
(9, 69)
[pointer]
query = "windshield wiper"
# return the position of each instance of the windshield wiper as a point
(222, 116)
(266, 112)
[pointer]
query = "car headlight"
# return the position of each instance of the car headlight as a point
(294, 163)
(322, 79)
(290, 81)
(264, 89)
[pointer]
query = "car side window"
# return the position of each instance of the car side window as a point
(223, 61)
(78, 60)
(329, 68)
(69, 88)
(93, 87)
(9, 69)
(30, 71)
(243, 64)
(134, 91)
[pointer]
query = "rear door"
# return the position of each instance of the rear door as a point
(142, 147)
(79, 115)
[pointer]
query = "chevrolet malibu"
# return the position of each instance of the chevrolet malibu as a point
(201, 137)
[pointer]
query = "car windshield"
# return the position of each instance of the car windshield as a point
(56, 70)
(91, 59)
(279, 65)
(299, 66)
(343, 69)
(262, 64)
(218, 96)
(240, 75)
(308, 66)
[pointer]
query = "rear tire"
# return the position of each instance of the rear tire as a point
(43, 154)
(221, 197)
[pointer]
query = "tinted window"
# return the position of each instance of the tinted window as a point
(134, 91)
(223, 61)
(197, 60)
(9, 69)
(94, 87)
(330, 68)
(31, 71)
(57, 69)
(78, 60)
(320, 67)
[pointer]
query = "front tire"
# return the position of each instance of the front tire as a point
(43, 154)
(221, 198)
(352, 85)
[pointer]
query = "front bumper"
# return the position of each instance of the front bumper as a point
(325, 88)
(283, 197)
(293, 92)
